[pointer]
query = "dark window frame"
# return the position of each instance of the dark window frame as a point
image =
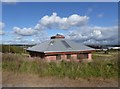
(82, 56)
(68, 56)
(58, 57)
(79, 56)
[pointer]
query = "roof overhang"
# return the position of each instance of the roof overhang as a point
(70, 52)
(34, 51)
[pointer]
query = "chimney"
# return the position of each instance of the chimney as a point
(58, 36)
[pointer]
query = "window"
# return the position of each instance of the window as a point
(85, 55)
(82, 56)
(68, 56)
(58, 57)
(78, 56)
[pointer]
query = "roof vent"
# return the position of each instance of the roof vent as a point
(52, 42)
(57, 36)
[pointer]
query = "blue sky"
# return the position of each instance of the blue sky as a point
(101, 20)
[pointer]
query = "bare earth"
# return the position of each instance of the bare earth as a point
(10, 79)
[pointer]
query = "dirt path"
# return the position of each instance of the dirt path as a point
(27, 80)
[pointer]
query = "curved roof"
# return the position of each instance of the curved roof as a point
(59, 45)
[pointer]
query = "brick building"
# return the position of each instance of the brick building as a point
(59, 48)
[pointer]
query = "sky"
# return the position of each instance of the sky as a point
(83, 22)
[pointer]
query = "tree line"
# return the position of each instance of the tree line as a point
(12, 49)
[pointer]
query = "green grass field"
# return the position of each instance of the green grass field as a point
(103, 65)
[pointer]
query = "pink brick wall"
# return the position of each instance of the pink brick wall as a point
(63, 57)
(74, 56)
(50, 58)
(89, 56)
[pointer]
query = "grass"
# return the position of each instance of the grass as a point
(98, 68)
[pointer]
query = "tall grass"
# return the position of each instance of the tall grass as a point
(97, 68)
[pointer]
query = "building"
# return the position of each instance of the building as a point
(59, 48)
(115, 48)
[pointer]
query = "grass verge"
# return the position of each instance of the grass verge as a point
(97, 68)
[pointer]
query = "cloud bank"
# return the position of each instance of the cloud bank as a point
(54, 21)
(77, 26)
(98, 35)
(64, 23)
(24, 31)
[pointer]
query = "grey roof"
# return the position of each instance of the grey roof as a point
(59, 45)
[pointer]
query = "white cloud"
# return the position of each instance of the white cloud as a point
(95, 35)
(24, 31)
(55, 21)
(34, 39)
(1, 32)
(2, 25)
(18, 38)
(82, 31)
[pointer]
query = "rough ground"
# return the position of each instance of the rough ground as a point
(9, 79)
